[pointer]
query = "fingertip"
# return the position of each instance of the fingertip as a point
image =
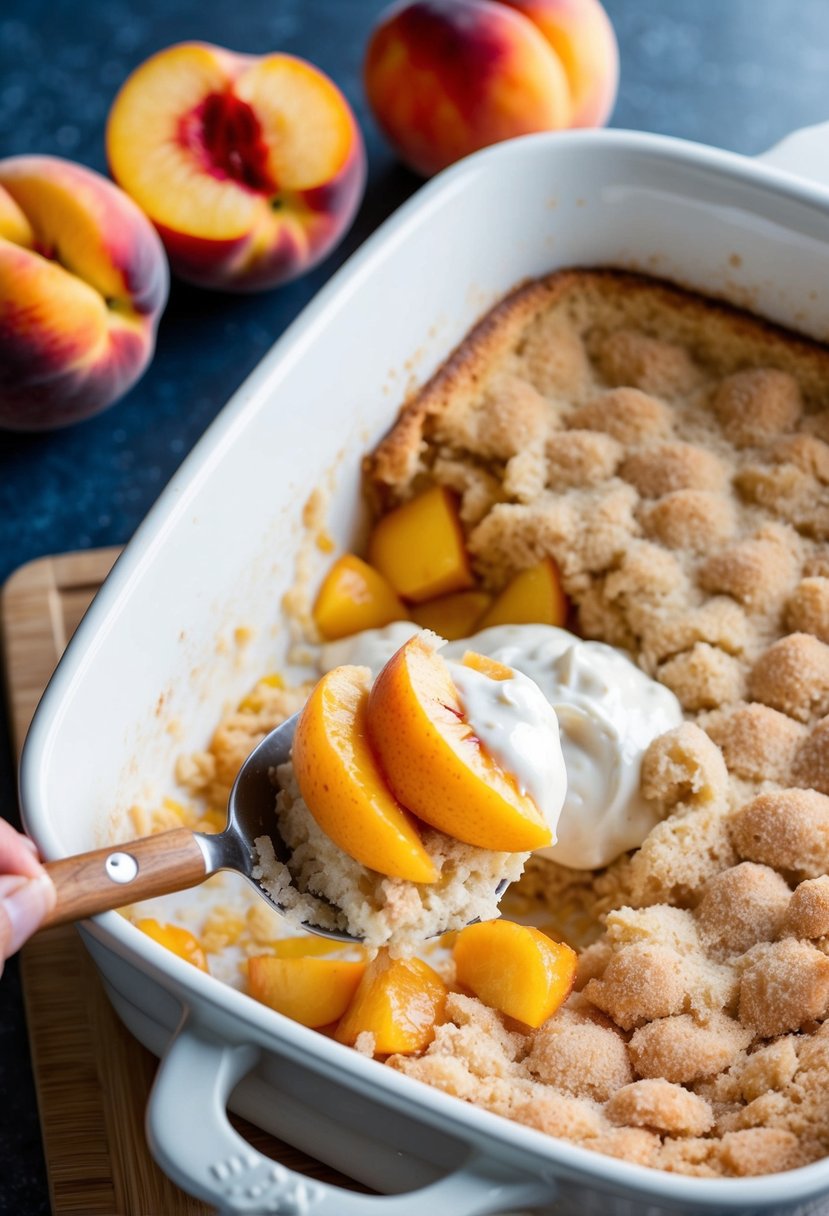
(23, 909)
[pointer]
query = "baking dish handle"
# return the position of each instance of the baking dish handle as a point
(193, 1141)
(804, 152)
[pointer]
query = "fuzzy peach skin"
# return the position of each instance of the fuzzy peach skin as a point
(250, 167)
(83, 282)
(580, 34)
(447, 77)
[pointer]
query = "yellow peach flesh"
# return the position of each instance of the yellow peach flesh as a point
(312, 991)
(452, 616)
(399, 1002)
(343, 785)
(354, 597)
(533, 597)
(145, 152)
(487, 666)
(173, 937)
(304, 137)
(304, 118)
(515, 969)
(419, 547)
(303, 947)
(436, 766)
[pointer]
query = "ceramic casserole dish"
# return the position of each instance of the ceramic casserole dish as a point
(218, 551)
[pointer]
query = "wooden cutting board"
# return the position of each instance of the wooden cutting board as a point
(92, 1077)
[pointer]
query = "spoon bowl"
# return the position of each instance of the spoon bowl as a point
(89, 883)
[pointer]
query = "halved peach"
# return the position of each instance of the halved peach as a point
(181, 941)
(515, 969)
(353, 597)
(434, 763)
(533, 597)
(399, 1002)
(313, 991)
(419, 547)
(452, 616)
(250, 167)
(343, 785)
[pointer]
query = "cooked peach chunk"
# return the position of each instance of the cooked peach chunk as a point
(343, 785)
(307, 946)
(487, 666)
(313, 991)
(453, 616)
(419, 547)
(354, 597)
(515, 969)
(174, 937)
(435, 764)
(399, 1002)
(533, 597)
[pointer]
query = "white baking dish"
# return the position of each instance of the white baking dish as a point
(218, 551)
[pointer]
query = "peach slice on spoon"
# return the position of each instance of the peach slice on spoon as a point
(343, 786)
(434, 763)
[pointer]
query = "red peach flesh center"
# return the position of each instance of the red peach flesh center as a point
(224, 135)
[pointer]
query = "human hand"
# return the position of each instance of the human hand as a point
(26, 891)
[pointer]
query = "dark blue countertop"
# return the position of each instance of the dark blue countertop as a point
(739, 74)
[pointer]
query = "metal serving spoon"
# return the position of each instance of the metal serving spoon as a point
(94, 882)
(172, 861)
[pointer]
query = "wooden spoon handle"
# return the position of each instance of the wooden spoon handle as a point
(122, 874)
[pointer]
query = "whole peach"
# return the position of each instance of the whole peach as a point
(83, 282)
(580, 33)
(447, 77)
(250, 167)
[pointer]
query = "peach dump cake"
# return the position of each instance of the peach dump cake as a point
(613, 501)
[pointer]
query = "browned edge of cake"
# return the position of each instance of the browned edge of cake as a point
(722, 335)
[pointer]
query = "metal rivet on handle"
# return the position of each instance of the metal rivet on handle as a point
(121, 867)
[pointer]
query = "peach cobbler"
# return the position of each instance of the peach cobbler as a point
(640, 476)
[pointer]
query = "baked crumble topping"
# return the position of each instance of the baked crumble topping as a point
(672, 455)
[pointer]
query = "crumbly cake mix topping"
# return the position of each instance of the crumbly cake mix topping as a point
(671, 455)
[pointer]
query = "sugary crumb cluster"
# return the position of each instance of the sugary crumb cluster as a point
(672, 455)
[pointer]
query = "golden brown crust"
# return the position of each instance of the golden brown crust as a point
(724, 337)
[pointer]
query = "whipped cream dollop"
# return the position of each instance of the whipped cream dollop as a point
(608, 712)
